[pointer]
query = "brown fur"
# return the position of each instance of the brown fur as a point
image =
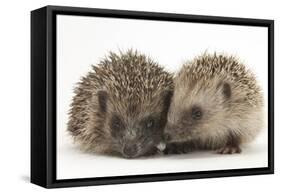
(116, 102)
(217, 104)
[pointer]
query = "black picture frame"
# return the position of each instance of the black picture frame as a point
(43, 95)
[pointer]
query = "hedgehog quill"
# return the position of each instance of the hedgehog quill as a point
(217, 105)
(120, 107)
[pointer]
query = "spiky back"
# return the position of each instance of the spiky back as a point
(130, 76)
(207, 67)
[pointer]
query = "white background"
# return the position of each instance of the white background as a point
(15, 96)
(82, 41)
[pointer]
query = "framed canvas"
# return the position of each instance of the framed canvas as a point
(127, 96)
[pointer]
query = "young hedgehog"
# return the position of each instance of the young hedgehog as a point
(120, 107)
(217, 105)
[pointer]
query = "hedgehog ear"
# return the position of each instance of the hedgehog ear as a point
(226, 90)
(102, 100)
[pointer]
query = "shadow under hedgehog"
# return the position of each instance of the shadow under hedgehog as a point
(217, 105)
(120, 108)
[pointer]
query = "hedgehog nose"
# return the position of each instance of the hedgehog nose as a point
(130, 151)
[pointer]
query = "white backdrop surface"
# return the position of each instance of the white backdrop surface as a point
(15, 96)
(82, 41)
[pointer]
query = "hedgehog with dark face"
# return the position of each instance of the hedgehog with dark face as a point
(217, 104)
(120, 108)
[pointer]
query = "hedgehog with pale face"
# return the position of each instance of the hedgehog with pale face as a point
(217, 105)
(120, 107)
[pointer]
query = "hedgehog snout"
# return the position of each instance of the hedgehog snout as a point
(129, 151)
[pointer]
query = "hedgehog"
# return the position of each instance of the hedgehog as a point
(120, 107)
(217, 105)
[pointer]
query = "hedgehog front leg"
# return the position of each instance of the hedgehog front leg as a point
(232, 146)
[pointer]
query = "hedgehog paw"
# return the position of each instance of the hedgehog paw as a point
(229, 150)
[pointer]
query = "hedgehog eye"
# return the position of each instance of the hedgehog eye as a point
(116, 125)
(196, 113)
(150, 123)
